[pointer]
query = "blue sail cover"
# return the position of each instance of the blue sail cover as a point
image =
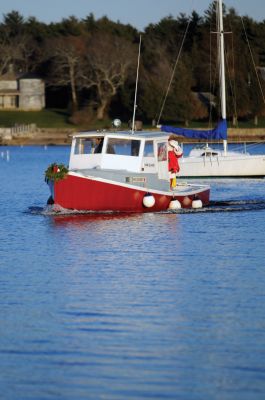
(218, 133)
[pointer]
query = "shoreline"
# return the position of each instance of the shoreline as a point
(58, 137)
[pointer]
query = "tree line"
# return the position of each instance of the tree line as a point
(89, 65)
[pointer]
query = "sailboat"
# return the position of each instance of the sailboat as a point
(210, 162)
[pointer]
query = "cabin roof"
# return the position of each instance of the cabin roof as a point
(148, 135)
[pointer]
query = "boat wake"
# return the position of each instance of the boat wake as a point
(226, 206)
(55, 210)
(213, 207)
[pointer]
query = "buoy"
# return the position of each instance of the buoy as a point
(174, 205)
(148, 200)
(196, 203)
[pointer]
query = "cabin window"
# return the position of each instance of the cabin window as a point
(123, 147)
(149, 148)
(162, 151)
(209, 154)
(83, 146)
(88, 145)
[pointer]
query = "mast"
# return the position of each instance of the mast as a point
(222, 64)
(136, 86)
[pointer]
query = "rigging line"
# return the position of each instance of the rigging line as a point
(212, 74)
(212, 77)
(230, 81)
(252, 58)
(231, 75)
(173, 72)
(210, 80)
(214, 71)
(233, 85)
(136, 84)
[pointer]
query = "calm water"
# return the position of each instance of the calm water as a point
(155, 306)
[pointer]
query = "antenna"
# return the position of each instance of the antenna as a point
(136, 85)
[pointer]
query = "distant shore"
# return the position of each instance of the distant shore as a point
(63, 137)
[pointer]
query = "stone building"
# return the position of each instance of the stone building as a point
(21, 92)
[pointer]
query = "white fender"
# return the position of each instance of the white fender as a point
(148, 200)
(196, 203)
(174, 205)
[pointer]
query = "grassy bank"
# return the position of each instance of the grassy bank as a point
(43, 119)
(48, 118)
(59, 118)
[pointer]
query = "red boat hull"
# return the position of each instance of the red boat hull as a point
(86, 194)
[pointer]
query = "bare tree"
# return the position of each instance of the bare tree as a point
(30, 53)
(20, 51)
(66, 54)
(10, 53)
(6, 56)
(106, 67)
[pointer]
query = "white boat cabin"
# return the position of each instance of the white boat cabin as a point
(144, 152)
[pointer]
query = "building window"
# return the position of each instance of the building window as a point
(13, 101)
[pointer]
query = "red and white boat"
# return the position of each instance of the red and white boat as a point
(128, 173)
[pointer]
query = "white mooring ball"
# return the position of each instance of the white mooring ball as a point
(148, 200)
(174, 205)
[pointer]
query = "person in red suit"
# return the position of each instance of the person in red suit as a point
(174, 153)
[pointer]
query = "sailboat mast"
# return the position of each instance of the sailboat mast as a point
(222, 64)
(136, 86)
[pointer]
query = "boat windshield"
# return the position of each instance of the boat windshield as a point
(96, 144)
(88, 145)
(123, 147)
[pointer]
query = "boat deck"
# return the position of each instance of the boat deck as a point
(142, 180)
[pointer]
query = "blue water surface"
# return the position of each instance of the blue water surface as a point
(154, 306)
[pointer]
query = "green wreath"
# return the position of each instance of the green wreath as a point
(55, 172)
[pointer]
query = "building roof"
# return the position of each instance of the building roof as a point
(10, 75)
(28, 75)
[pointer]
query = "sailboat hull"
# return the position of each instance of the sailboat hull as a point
(241, 166)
